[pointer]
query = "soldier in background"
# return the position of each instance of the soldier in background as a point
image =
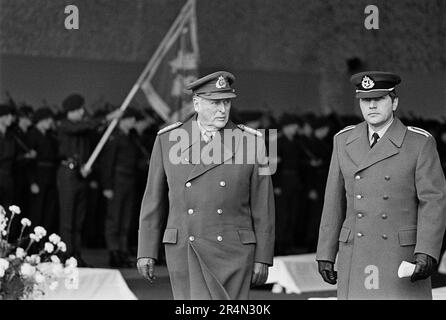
(24, 157)
(119, 170)
(74, 150)
(7, 156)
(43, 202)
(288, 187)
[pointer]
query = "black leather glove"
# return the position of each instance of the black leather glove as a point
(326, 269)
(425, 267)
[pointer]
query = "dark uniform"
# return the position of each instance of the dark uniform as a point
(383, 205)
(23, 163)
(290, 215)
(43, 206)
(7, 157)
(220, 216)
(74, 150)
(119, 170)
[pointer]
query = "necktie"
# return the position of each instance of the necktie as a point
(375, 137)
(207, 136)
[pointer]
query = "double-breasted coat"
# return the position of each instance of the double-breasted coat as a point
(220, 216)
(382, 205)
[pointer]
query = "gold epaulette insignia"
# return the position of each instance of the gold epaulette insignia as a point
(250, 130)
(170, 127)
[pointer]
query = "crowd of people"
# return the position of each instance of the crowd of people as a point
(42, 153)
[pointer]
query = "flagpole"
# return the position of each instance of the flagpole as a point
(190, 5)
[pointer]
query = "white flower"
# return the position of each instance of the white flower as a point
(4, 232)
(32, 236)
(39, 277)
(27, 270)
(25, 222)
(20, 253)
(2, 211)
(49, 247)
(55, 259)
(4, 264)
(11, 257)
(40, 231)
(54, 238)
(62, 246)
(14, 209)
(72, 262)
(2, 273)
(34, 259)
(53, 285)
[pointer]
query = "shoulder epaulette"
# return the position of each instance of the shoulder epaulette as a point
(250, 130)
(348, 128)
(170, 127)
(419, 131)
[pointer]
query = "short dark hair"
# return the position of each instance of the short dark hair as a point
(393, 95)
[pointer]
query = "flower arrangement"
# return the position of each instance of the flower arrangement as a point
(29, 266)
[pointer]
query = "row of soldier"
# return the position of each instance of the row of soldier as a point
(41, 154)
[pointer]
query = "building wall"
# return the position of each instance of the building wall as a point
(287, 54)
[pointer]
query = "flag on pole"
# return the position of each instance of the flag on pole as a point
(175, 66)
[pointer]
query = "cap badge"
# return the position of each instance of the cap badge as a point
(221, 83)
(367, 83)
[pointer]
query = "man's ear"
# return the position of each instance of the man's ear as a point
(395, 103)
(196, 103)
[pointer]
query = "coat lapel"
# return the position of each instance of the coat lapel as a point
(227, 149)
(386, 147)
(357, 144)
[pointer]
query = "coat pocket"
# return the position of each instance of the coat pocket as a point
(170, 236)
(407, 237)
(247, 236)
(345, 233)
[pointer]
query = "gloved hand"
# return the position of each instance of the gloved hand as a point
(259, 274)
(326, 269)
(425, 267)
(146, 268)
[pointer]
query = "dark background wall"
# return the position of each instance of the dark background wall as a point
(288, 55)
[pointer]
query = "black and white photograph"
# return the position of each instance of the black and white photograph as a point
(239, 151)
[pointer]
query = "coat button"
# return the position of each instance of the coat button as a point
(219, 238)
(358, 177)
(384, 216)
(384, 236)
(385, 197)
(191, 238)
(188, 185)
(359, 197)
(387, 178)
(190, 211)
(360, 215)
(359, 234)
(222, 183)
(219, 211)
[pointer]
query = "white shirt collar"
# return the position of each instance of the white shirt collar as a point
(380, 132)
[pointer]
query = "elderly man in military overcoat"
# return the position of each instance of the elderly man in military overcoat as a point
(219, 237)
(385, 201)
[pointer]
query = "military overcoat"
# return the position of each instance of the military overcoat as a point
(220, 216)
(382, 205)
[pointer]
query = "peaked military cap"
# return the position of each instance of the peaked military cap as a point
(374, 84)
(214, 86)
